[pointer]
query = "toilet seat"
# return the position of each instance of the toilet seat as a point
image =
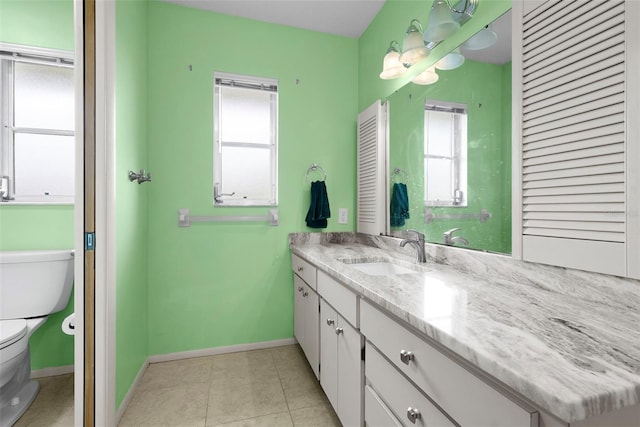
(12, 331)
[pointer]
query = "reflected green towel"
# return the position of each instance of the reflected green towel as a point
(319, 209)
(399, 205)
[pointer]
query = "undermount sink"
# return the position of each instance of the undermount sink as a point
(378, 267)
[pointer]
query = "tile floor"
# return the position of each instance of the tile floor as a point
(53, 406)
(260, 388)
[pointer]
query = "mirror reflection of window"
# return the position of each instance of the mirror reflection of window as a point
(445, 154)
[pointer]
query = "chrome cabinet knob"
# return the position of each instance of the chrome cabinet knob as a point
(300, 269)
(413, 414)
(339, 331)
(331, 322)
(305, 293)
(406, 356)
(299, 288)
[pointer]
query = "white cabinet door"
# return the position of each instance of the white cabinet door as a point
(299, 323)
(305, 321)
(349, 374)
(340, 365)
(329, 352)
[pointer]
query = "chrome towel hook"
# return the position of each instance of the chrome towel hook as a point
(140, 177)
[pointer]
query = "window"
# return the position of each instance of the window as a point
(445, 154)
(245, 121)
(37, 118)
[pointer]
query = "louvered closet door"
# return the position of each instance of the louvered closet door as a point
(574, 165)
(372, 218)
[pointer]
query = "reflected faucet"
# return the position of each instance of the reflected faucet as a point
(419, 244)
(451, 241)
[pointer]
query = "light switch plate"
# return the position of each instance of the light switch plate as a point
(343, 215)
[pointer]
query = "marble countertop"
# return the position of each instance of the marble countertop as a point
(568, 341)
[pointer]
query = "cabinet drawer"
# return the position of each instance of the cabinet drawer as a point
(376, 413)
(464, 396)
(305, 270)
(400, 394)
(341, 298)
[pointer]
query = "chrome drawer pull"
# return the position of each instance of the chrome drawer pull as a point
(406, 356)
(413, 414)
(331, 322)
(339, 331)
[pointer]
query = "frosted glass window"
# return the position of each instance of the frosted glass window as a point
(246, 115)
(238, 163)
(445, 154)
(37, 125)
(245, 128)
(44, 165)
(44, 97)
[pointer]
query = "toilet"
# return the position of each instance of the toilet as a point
(33, 284)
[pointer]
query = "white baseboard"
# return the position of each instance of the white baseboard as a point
(52, 372)
(127, 399)
(220, 350)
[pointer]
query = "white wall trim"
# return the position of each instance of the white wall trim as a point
(134, 387)
(52, 372)
(105, 268)
(220, 350)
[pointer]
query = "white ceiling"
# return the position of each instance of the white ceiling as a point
(342, 17)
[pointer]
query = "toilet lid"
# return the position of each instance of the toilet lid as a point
(11, 331)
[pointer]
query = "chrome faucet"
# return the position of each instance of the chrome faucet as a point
(419, 244)
(450, 240)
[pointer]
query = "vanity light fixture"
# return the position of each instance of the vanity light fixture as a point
(445, 18)
(481, 40)
(452, 61)
(392, 67)
(427, 77)
(441, 24)
(413, 46)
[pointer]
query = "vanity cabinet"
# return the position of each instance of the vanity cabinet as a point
(461, 395)
(306, 314)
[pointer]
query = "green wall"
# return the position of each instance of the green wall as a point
(218, 284)
(390, 24)
(481, 87)
(131, 198)
(25, 227)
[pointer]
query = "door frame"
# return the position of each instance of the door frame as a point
(94, 341)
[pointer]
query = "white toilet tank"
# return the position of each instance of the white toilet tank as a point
(34, 283)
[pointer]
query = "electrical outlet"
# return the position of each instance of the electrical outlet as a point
(343, 215)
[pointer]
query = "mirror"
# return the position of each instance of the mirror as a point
(433, 155)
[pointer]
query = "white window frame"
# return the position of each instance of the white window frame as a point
(252, 82)
(459, 150)
(9, 55)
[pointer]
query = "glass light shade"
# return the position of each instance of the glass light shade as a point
(441, 24)
(413, 47)
(427, 77)
(392, 67)
(452, 61)
(481, 40)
